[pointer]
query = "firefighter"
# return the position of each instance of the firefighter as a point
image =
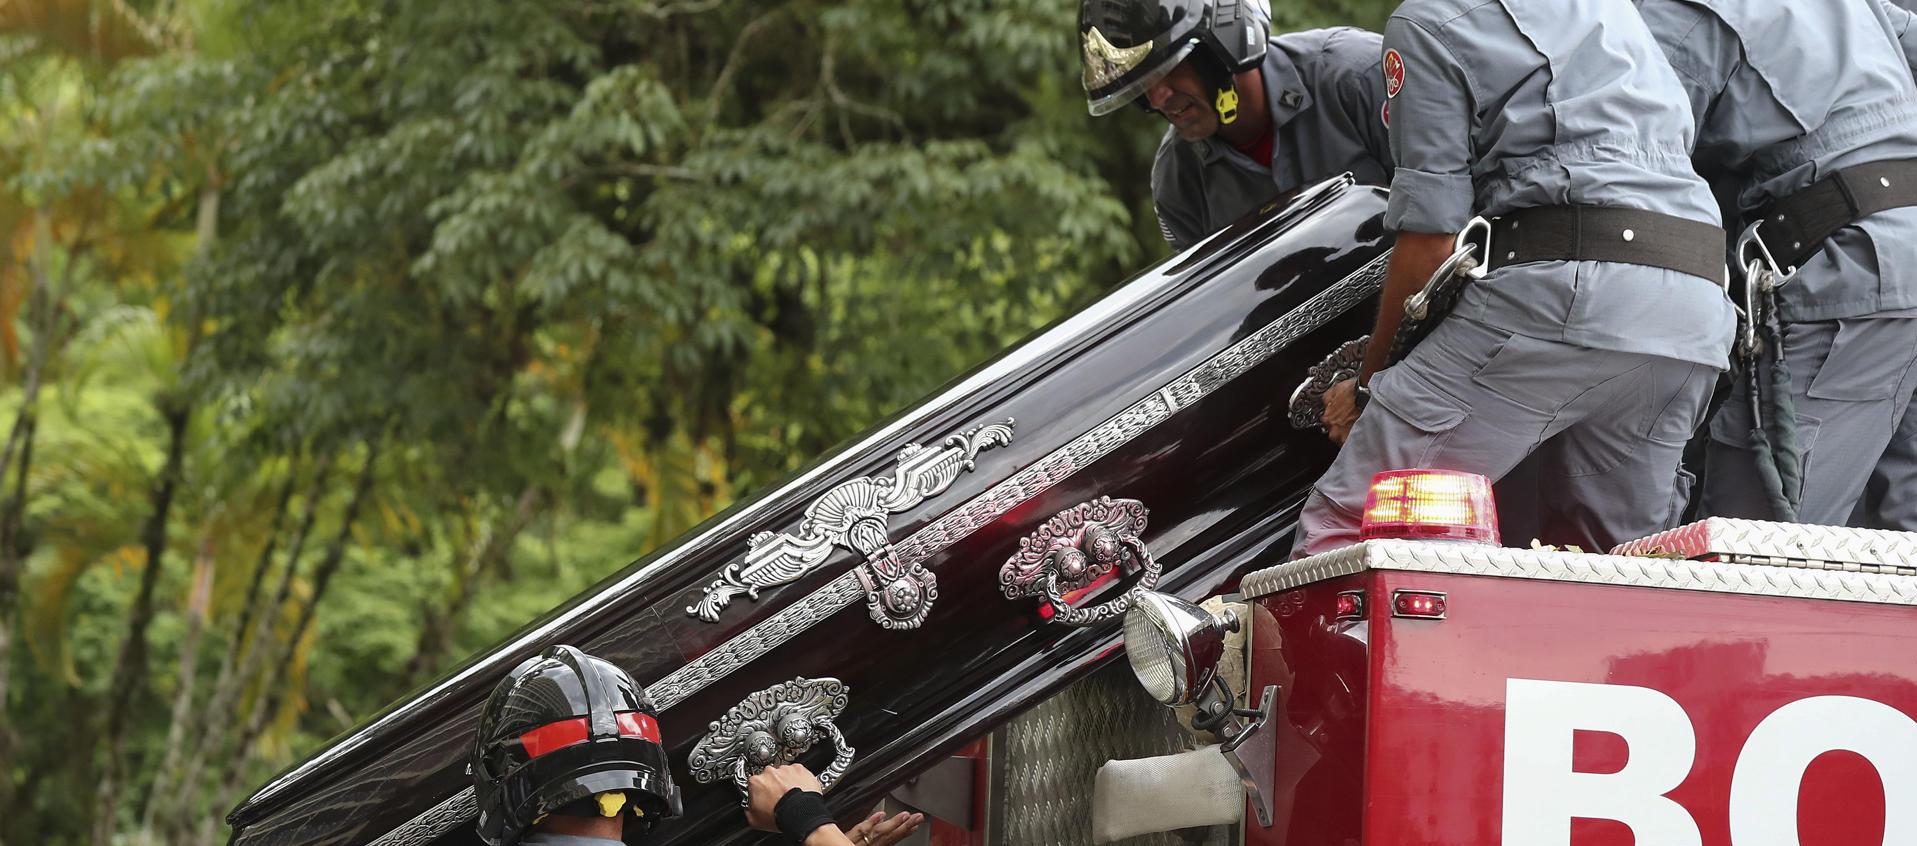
(569, 754)
(1591, 343)
(1890, 496)
(569, 747)
(1251, 115)
(1807, 123)
(1903, 22)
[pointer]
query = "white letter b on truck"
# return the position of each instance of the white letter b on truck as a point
(1542, 793)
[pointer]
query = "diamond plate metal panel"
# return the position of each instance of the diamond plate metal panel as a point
(1761, 579)
(1052, 753)
(1784, 544)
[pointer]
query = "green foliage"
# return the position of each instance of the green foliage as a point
(582, 272)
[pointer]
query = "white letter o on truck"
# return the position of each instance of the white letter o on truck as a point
(1542, 793)
(1770, 770)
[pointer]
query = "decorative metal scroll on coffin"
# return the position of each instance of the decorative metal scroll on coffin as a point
(1075, 548)
(1307, 407)
(773, 727)
(853, 515)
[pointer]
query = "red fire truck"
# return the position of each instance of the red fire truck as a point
(1730, 682)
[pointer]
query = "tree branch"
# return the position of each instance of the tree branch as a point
(130, 669)
(204, 566)
(488, 545)
(12, 516)
(662, 11)
(271, 689)
(649, 171)
(733, 59)
(248, 651)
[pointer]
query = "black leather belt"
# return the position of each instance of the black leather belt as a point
(1795, 227)
(1605, 233)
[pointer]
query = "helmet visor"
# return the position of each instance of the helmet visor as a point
(1130, 86)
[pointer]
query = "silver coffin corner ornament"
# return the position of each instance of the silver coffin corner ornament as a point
(1075, 548)
(854, 515)
(774, 727)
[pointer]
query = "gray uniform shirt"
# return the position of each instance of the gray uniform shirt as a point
(1501, 105)
(1785, 92)
(1327, 111)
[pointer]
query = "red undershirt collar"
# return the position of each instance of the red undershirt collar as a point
(1260, 150)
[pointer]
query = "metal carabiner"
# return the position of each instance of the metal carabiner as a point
(1752, 251)
(1461, 263)
(1754, 281)
(1481, 225)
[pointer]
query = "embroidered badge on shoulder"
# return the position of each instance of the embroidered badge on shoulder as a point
(1393, 72)
(1385, 113)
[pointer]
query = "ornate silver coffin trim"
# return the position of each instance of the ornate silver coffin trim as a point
(1075, 548)
(427, 827)
(772, 727)
(1157, 407)
(1160, 405)
(1466, 560)
(852, 515)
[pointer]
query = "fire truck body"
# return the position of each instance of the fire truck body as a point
(1441, 692)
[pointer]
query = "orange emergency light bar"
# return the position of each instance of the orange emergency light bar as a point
(1430, 505)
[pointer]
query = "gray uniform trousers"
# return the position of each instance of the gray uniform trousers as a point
(1852, 381)
(1890, 497)
(1604, 430)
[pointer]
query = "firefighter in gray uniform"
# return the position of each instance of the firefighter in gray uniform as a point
(1252, 115)
(1890, 497)
(1903, 22)
(1591, 343)
(1807, 111)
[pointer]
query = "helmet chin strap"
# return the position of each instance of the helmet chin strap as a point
(610, 804)
(1224, 88)
(1226, 103)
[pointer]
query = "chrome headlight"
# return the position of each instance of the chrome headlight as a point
(1174, 646)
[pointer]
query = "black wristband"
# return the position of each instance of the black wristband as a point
(799, 813)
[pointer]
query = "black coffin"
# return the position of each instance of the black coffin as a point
(1171, 391)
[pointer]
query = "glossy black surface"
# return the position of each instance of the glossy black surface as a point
(1223, 479)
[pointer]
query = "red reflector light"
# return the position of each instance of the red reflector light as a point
(1351, 605)
(564, 733)
(1422, 605)
(1430, 505)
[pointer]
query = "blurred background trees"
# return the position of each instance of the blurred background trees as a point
(339, 339)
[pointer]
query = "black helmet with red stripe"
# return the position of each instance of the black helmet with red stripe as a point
(566, 729)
